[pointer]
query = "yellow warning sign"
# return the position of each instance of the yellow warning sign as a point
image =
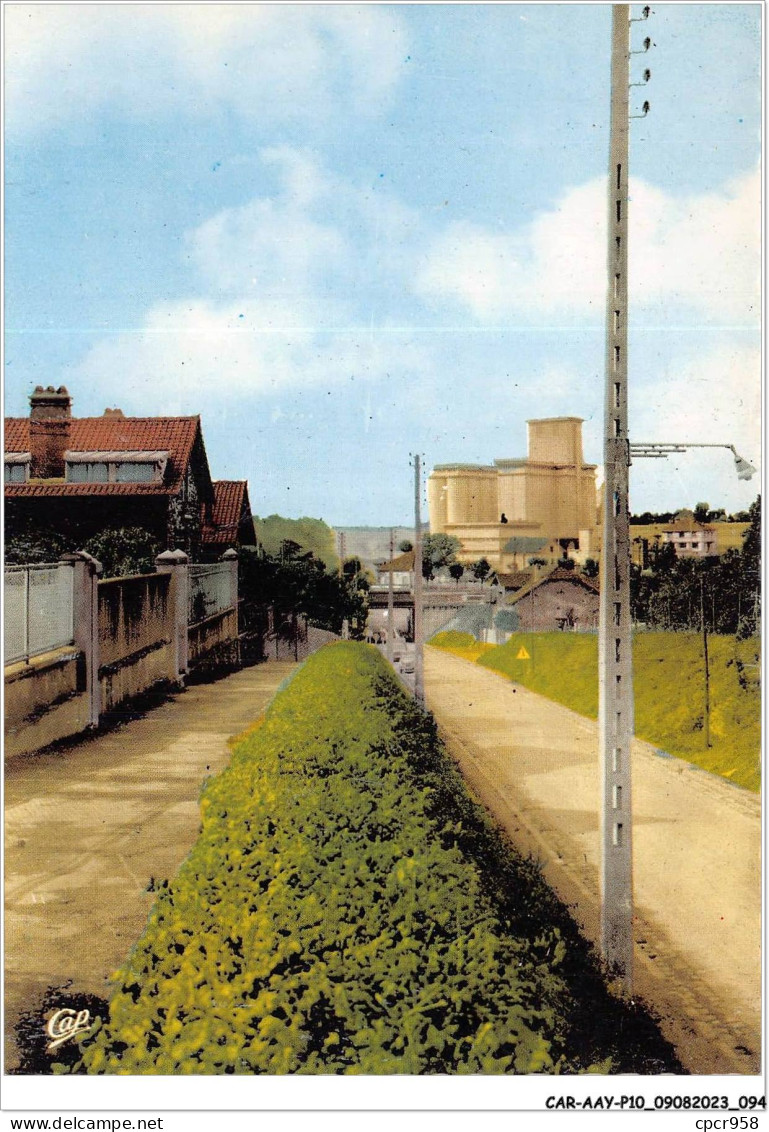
(522, 654)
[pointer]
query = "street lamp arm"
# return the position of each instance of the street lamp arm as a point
(745, 470)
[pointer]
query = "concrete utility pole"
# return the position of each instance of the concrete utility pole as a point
(390, 603)
(615, 666)
(419, 662)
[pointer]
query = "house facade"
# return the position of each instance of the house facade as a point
(692, 540)
(562, 600)
(80, 476)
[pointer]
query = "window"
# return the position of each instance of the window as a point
(96, 472)
(115, 467)
(16, 471)
(132, 472)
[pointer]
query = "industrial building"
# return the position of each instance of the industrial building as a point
(543, 505)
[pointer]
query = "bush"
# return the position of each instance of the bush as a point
(330, 918)
(125, 550)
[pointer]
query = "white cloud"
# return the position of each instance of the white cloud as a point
(696, 255)
(275, 62)
(712, 398)
(191, 354)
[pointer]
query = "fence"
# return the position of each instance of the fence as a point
(38, 609)
(77, 647)
(210, 591)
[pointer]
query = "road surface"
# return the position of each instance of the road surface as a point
(697, 845)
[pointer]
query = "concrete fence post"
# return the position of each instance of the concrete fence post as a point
(176, 563)
(85, 621)
(231, 556)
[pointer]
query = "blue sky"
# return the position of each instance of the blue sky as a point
(343, 234)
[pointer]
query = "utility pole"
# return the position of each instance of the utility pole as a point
(390, 603)
(419, 670)
(706, 716)
(615, 667)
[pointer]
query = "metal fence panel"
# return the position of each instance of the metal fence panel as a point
(210, 590)
(38, 609)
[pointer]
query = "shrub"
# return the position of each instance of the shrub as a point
(330, 918)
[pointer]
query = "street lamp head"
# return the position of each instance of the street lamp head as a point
(745, 471)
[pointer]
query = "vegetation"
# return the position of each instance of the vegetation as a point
(311, 535)
(438, 550)
(723, 591)
(379, 926)
(668, 687)
(128, 550)
(34, 544)
(481, 569)
(461, 644)
(292, 583)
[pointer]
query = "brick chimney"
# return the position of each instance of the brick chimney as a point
(49, 423)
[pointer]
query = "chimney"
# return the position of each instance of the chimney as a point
(49, 423)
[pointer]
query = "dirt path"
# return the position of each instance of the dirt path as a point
(87, 826)
(697, 846)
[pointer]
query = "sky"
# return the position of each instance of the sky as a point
(344, 234)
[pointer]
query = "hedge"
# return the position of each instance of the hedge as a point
(338, 915)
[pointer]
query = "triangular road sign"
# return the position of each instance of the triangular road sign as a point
(522, 654)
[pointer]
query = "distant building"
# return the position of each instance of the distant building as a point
(402, 570)
(542, 506)
(80, 476)
(562, 600)
(691, 539)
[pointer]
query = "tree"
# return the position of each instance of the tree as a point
(310, 534)
(438, 550)
(481, 569)
(702, 512)
(405, 546)
(750, 573)
(456, 569)
(590, 569)
(298, 584)
(124, 550)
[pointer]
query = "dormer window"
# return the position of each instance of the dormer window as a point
(115, 467)
(17, 467)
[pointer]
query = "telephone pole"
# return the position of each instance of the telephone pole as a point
(390, 602)
(615, 666)
(419, 671)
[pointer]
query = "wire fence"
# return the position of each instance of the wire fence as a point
(210, 591)
(38, 609)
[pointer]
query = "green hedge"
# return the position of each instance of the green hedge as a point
(331, 919)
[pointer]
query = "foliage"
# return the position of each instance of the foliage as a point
(648, 517)
(438, 550)
(668, 687)
(456, 570)
(124, 550)
(507, 620)
(481, 569)
(293, 583)
(590, 569)
(311, 535)
(34, 544)
(351, 930)
(675, 593)
(405, 546)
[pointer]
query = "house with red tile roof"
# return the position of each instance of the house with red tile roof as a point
(80, 476)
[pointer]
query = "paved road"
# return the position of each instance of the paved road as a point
(86, 828)
(697, 845)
